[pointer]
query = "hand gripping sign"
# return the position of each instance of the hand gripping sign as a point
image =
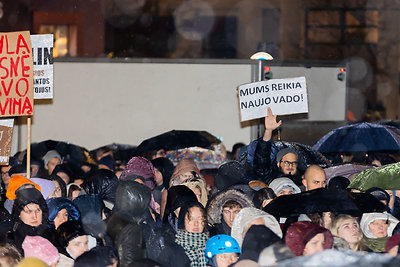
(283, 96)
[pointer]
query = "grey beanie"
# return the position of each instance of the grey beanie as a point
(283, 152)
(49, 155)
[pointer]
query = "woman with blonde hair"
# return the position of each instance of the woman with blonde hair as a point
(347, 227)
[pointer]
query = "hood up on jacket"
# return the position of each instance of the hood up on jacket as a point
(246, 216)
(103, 183)
(215, 205)
(368, 218)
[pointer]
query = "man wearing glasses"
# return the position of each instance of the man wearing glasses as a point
(286, 160)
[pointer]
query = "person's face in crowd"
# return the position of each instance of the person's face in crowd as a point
(158, 177)
(314, 178)
(258, 221)
(288, 164)
(34, 170)
(64, 177)
(266, 202)
(194, 220)
(78, 245)
(62, 217)
(226, 259)
(349, 231)
(229, 214)
(57, 190)
(285, 191)
(197, 192)
(315, 245)
(75, 194)
(31, 215)
(379, 228)
(5, 176)
(52, 164)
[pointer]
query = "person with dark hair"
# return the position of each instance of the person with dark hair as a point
(235, 150)
(59, 183)
(223, 208)
(73, 240)
(30, 215)
(9, 255)
(191, 238)
(177, 197)
(98, 257)
(64, 171)
(263, 197)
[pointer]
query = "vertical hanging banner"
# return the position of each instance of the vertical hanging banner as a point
(16, 74)
(6, 134)
(283, 96)
(42, 51)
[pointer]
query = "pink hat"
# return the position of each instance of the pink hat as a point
(40, 248)
(139, 166)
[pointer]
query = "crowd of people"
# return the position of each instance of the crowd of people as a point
(148, 212)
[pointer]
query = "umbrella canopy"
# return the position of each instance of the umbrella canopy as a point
(345, 170)
(360, 137)
(204, 158)
(174, 140)
(321, 200)
(386, 177)
(121, 152)
(307, 155)
(71, 153)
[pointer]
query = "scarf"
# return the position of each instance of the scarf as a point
(194, 245)
(375, 244)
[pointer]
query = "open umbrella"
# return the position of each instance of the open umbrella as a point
(360, 137)
(386, 177)
(345, 170)
(322, 200)
(204, 158)
(175, 139)
(307, 155)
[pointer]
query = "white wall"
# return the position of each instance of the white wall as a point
(100, 103)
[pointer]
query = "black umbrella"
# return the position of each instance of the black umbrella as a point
(322, 200)
(121, 152)
(307, 155)
(70, 152)
(175, 139)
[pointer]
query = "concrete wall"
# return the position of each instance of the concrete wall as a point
(100, 103)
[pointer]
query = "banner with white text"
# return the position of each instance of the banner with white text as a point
(283, 96)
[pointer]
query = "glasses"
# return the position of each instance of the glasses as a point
(288, 163)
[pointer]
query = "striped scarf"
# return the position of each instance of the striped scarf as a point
(194, 245)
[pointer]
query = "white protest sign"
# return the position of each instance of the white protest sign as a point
(283, 96)
(42, 51)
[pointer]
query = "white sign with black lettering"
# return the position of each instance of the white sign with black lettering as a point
(283, 96)
(42, 51)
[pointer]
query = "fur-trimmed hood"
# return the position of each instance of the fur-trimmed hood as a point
(215, 205)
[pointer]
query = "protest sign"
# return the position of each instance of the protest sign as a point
(42, 51)
(16, 72)
(283, 96)
(6, 133)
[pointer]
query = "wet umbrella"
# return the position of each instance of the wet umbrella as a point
(307, 155)
(69, 152)
(322, 200)
(121, 152)
(175, 139)
(386, 177)
(345, 170)
(204, 158)
(360, 137)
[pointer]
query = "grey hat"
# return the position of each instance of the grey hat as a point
(49, 155)
(283, 152)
